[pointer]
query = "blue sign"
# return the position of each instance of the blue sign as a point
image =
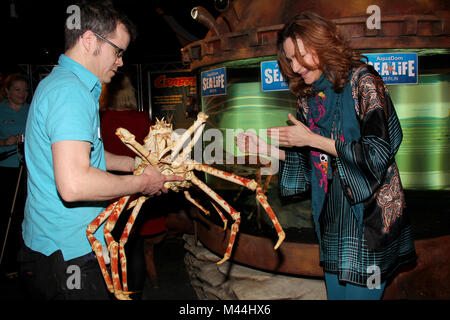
(214, 82)
(395, 68)
(271, 78)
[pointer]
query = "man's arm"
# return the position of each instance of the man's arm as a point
(76, 180)
(115, 162)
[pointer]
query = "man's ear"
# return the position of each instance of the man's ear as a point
(88, 40)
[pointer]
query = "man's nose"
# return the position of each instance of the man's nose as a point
(119, 62)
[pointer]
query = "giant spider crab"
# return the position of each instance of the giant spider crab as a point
(163, 149)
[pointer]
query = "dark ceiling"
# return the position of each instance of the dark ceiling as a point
(36, 35)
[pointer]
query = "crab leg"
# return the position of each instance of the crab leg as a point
(112, 212)
(225, 221)
(96, 245)
(129, 140)
(124, 238)
(113, 248)
(198, 205)
(194, 202)
(252, 185)
(231, 211)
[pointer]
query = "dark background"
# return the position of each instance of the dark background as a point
(36, 35)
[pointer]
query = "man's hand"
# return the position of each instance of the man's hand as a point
(154, 181)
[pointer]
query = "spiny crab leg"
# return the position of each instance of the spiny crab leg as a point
(113, 249)
(111, 215)
(97, 246)
(225, 221)
(129, 140)
(194, 202)
(252, 185)
(124, 238)
(117, 249)
(205, 211)
(111, 212)
(231, 211)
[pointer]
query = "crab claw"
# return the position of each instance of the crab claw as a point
(281, 237)
(225, 221)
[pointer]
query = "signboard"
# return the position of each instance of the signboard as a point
(395, 68)
(214, 82)
(271, 78)
(171, 96)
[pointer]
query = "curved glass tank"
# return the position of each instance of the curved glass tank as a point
(424, 113)
(423, 157)
(246, 107)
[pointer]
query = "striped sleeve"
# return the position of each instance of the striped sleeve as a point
(363, 163)
(295, 173)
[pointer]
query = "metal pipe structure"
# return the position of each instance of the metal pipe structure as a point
(202, 15)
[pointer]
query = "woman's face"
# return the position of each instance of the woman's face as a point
(18, 92)
(309, 74)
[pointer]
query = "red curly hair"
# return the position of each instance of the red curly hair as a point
(322, 36)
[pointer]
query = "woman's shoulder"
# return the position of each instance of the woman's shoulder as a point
(364, 78)
(363, 71)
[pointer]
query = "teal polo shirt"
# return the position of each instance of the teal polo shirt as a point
(64, 107)
(11, 123)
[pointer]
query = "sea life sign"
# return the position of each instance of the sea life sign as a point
(395, 68)
(271, 77)
(214, 82)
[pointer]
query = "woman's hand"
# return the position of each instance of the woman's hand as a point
(297, 135)
(249, 142)
(300, 135)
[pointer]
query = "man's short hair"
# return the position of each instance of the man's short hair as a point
(100, 17)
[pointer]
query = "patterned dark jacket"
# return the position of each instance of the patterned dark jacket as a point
(366, 167)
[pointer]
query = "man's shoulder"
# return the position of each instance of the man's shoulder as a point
(62, 81)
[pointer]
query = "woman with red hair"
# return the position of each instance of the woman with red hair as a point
(343, 142)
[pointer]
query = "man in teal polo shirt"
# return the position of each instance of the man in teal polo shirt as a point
(67, 179)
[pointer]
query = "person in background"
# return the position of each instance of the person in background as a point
(68, 182)
(343, 142)
(13, 112)
(119, 109)
(13, 115)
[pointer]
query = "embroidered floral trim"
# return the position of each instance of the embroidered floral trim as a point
(368, 91)
(322, 169)
(391, 199)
